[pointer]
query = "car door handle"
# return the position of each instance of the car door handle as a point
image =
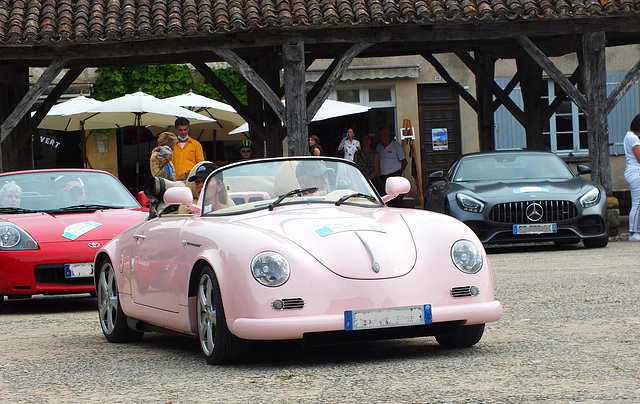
(139, 237)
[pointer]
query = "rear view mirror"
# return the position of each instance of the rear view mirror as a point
(394, 187)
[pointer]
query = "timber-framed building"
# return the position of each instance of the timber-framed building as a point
(301, 50)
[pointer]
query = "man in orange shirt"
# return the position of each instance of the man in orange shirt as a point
(187, 152)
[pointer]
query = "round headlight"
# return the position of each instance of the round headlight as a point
(466, 256)
(9, 236)
(270, 268)
(14, 238)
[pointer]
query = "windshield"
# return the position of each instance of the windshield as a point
(59, 191)
(267, 184)
(511, 166)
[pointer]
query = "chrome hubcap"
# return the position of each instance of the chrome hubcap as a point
(206, 315)
(107, 299)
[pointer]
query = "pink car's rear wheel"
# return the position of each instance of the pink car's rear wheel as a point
(465, 336)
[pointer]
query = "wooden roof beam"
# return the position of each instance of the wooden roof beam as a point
(553, 72)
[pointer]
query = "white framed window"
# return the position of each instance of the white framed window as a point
(370, 96)
(566, 130)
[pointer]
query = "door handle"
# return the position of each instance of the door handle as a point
(139, 237)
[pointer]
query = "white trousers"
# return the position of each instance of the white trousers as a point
(632, 176)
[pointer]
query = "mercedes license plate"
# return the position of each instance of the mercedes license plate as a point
(539, 228)
(391, 317)
(80, 270)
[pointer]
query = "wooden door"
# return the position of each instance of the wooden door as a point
(439, 113)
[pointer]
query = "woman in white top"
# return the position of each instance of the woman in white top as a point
(349, 145)
(632, 175)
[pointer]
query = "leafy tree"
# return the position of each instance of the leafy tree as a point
(158, 80)
(234, 82)
(164, 81)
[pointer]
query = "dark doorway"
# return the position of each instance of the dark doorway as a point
(55, 149)
(133, 157)
(439, 112)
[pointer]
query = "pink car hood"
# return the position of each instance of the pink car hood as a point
(349, 242)
(98, 225)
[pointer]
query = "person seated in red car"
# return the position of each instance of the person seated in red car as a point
(10, 195)
(73, 192)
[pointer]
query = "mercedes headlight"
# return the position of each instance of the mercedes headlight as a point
(591, 198)
(270, 268)
(466, 256)
(13, 238)
(469, 203)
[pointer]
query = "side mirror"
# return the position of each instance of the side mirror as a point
(181, 196)
(436, 176)
(143, 200)
(583, 169)
(394, 187)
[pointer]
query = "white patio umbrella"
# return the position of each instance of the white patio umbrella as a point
(138, 109)
(57, 119)
(329, 109)
(58, 116)
(225, 116)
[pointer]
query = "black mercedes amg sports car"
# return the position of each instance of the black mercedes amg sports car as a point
(521, 197)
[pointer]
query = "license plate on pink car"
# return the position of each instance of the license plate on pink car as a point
(391, 317)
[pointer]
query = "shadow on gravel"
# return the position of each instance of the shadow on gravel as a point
(519, 248)
(288, 353)
(50, 304)
(276, 354)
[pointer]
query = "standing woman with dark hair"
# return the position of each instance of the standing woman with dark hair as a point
(632, 175)
(314, 145)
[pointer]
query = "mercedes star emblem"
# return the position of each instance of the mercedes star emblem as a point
(534, 212)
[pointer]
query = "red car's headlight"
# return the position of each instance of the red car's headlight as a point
(14, 238)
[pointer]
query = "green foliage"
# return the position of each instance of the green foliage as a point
(158, 80)
(164, 81)
(234, 82)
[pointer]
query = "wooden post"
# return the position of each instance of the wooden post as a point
(531, 84)
(484, 97)
(296, 119)
(23, 107)
(595, 85)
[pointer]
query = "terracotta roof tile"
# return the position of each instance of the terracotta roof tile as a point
(42, 21)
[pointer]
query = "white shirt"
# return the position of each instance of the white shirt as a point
(350, 148)
(631, 140)
(390, 157)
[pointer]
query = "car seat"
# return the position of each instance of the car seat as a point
(286, 179)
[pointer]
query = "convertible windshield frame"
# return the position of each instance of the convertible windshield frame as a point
(273, 183)
(61, 190)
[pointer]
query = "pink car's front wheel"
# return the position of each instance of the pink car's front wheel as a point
(113, 321)
(217, 344)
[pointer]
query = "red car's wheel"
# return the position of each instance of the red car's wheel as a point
(217, 344)
(113, 321)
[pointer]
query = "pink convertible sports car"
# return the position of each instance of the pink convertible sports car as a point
(52, 223)
(292, 248)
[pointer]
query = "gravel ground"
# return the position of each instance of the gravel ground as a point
(569, 334)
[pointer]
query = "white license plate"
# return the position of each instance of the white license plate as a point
(80, 270)
(383, 318)
(541, 228)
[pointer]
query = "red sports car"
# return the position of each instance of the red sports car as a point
(52, 223)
